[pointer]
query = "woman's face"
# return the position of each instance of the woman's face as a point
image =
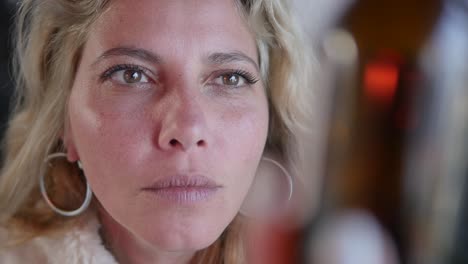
(169, 117)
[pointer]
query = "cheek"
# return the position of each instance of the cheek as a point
(241, 136)
(106, 118)
(245, 132)
(106, 134)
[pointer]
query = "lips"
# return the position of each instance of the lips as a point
(183, 188)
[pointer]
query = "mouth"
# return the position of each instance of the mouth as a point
(183, 189)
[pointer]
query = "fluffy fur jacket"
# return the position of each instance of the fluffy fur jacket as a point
(80, 245)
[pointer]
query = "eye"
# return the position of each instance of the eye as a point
(132, 76)
(235, 78)
(126, 74)
(232, 79)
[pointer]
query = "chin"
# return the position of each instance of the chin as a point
(187, 233)
(193, 241)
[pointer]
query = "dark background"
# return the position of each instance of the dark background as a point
(6, 87)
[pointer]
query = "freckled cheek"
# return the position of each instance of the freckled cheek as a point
(243, 135)
(109, 131)
(244, 131)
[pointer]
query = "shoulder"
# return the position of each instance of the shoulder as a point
(79, 245)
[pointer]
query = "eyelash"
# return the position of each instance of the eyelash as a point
(249, 77)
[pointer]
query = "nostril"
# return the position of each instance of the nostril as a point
(173, 142)
(176, 143)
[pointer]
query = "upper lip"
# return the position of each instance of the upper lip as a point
(183, 180)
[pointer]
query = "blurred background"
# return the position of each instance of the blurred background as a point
(394, 186)
(391, 177)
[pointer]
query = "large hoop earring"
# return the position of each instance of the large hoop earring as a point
(287, 178)
(88, 196)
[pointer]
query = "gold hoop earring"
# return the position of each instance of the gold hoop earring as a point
(42, 185)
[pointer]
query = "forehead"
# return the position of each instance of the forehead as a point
(179, 25)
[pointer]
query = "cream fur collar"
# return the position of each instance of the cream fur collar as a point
(80, 245)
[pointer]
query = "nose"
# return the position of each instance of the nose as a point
(183, 124)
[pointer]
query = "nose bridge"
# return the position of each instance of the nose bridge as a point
(187, 109)
(183, 124)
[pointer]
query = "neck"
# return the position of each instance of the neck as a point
(128, 248)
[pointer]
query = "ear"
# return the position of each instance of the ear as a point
(68, 142)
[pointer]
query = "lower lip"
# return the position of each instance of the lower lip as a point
(183, 195)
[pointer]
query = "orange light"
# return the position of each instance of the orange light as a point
(381, 81)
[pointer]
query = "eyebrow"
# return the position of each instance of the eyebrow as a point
(236, 56)
(137, 53)
(148, 56)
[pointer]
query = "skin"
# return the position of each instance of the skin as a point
(181, 117)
